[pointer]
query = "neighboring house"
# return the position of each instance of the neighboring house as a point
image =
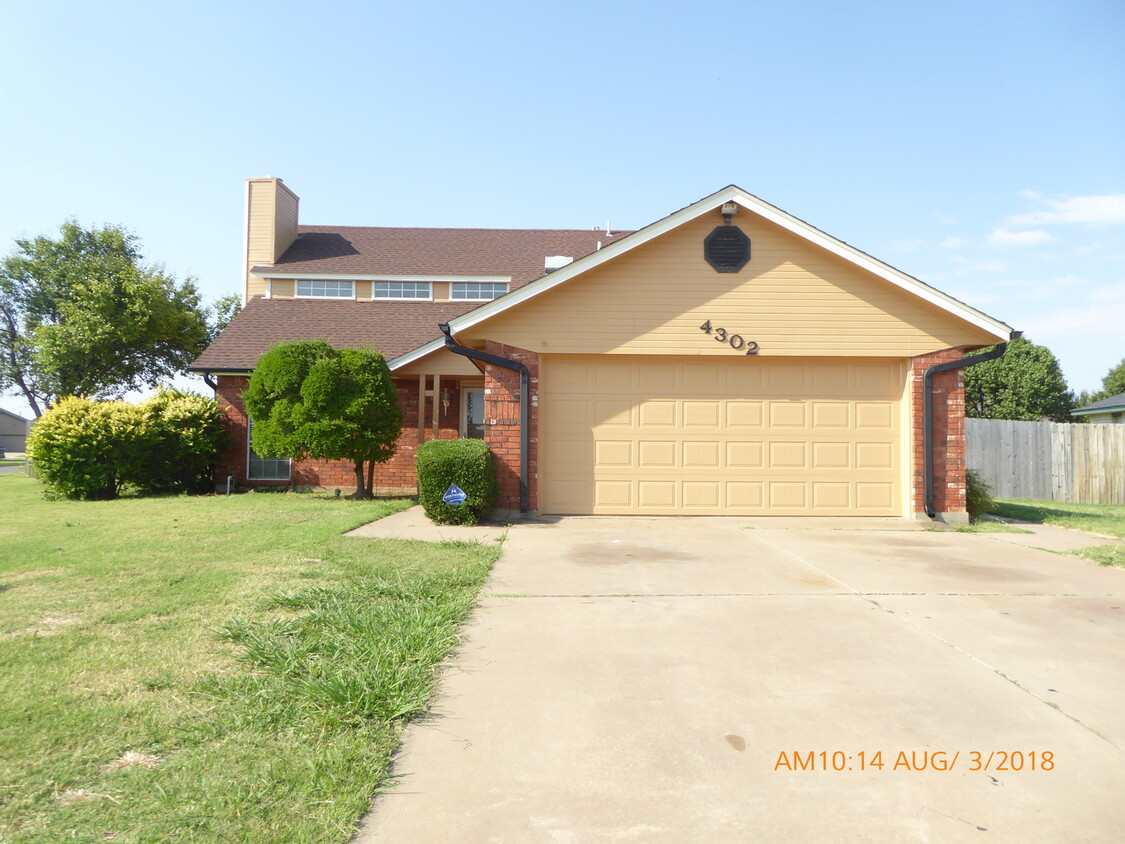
(13, 431)
(1110, 410)
(727, 359)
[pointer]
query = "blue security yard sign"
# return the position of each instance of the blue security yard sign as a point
(454, 495)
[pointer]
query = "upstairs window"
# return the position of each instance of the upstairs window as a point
(403, 290)
(477, 291)
(326, 288)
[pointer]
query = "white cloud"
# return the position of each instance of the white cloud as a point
(1007, 238)
(1108, 208)
(952, 243)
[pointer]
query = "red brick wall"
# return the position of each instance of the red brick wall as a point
(395, 477)
(502, 423)
(948, 389)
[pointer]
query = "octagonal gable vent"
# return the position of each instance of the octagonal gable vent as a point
(727, 249)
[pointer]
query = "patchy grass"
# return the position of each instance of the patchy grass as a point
(1104, 519)
(1104, 555)
(211, 669)
(986, 525)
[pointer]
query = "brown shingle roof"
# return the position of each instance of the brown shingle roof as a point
(516, 253)
(392, 328)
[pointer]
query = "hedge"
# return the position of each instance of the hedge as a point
(466, 463)
(88, 449)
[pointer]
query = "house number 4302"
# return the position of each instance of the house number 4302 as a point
(736, 341)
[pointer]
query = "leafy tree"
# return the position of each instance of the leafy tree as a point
(1026, 383)
(80, 315)
(308, 399)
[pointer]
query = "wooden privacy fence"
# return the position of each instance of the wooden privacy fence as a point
(1050, 461)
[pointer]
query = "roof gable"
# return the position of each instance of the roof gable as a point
(985, 329)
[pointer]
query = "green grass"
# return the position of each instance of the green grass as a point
(211, 669)
(1105, 519)
(1104, 555)
(988, 526)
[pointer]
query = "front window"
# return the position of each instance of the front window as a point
(326, 288)
(403, 290)
(477, 291)
(264, 468)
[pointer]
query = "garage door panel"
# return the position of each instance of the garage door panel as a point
(613, 454)
(661, 413)
(788, 495)
(613, 412)
(830, 455)
(657, 454)
(831, 496)
(743, 436)
(787, 414)
(874, 415)
(745, 414)
(788, 455)
(701, 414)
(657, 494)
(833, 414)
(878, 455)
(744, 495)
(744, 455)
(874, 496)
(701, 494)
(700, 455)
(613, 494)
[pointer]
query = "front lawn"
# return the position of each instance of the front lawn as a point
(211, 669)
(1104, 519)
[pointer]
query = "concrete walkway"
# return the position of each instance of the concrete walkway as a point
(413, 524)
(665, 680)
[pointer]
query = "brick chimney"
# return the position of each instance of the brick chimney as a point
(271, 226)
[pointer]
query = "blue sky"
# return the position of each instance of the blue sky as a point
(979, 146)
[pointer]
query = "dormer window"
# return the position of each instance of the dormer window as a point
(403, 290)
(325, 288)
(477, 291)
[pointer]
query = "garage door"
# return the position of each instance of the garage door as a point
(720, 436)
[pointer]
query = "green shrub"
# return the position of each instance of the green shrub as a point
(83, 448)
(88, 449)
(978, 496)
(185, 433)
(467, 463)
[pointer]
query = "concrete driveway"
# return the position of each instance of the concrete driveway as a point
(666, 680)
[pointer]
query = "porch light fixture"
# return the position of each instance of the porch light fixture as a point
(446, 398)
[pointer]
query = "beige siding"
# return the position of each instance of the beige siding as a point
(440, 291)
(271, 226)
(283, 288)
(750, 436)
(442, 362)
(793, 298)
(363, 290)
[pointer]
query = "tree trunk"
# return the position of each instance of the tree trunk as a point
(370, 478)
(360, 486)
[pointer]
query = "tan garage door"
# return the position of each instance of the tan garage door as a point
(720, 436)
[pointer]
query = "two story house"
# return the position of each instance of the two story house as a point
(728, 359)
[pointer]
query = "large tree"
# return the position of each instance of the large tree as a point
(307, 399)
(81, 315)
(1026, 383)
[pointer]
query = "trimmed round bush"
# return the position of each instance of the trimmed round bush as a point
(466, 463)
(83, 449)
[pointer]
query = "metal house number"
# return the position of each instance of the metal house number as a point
(736, 341)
